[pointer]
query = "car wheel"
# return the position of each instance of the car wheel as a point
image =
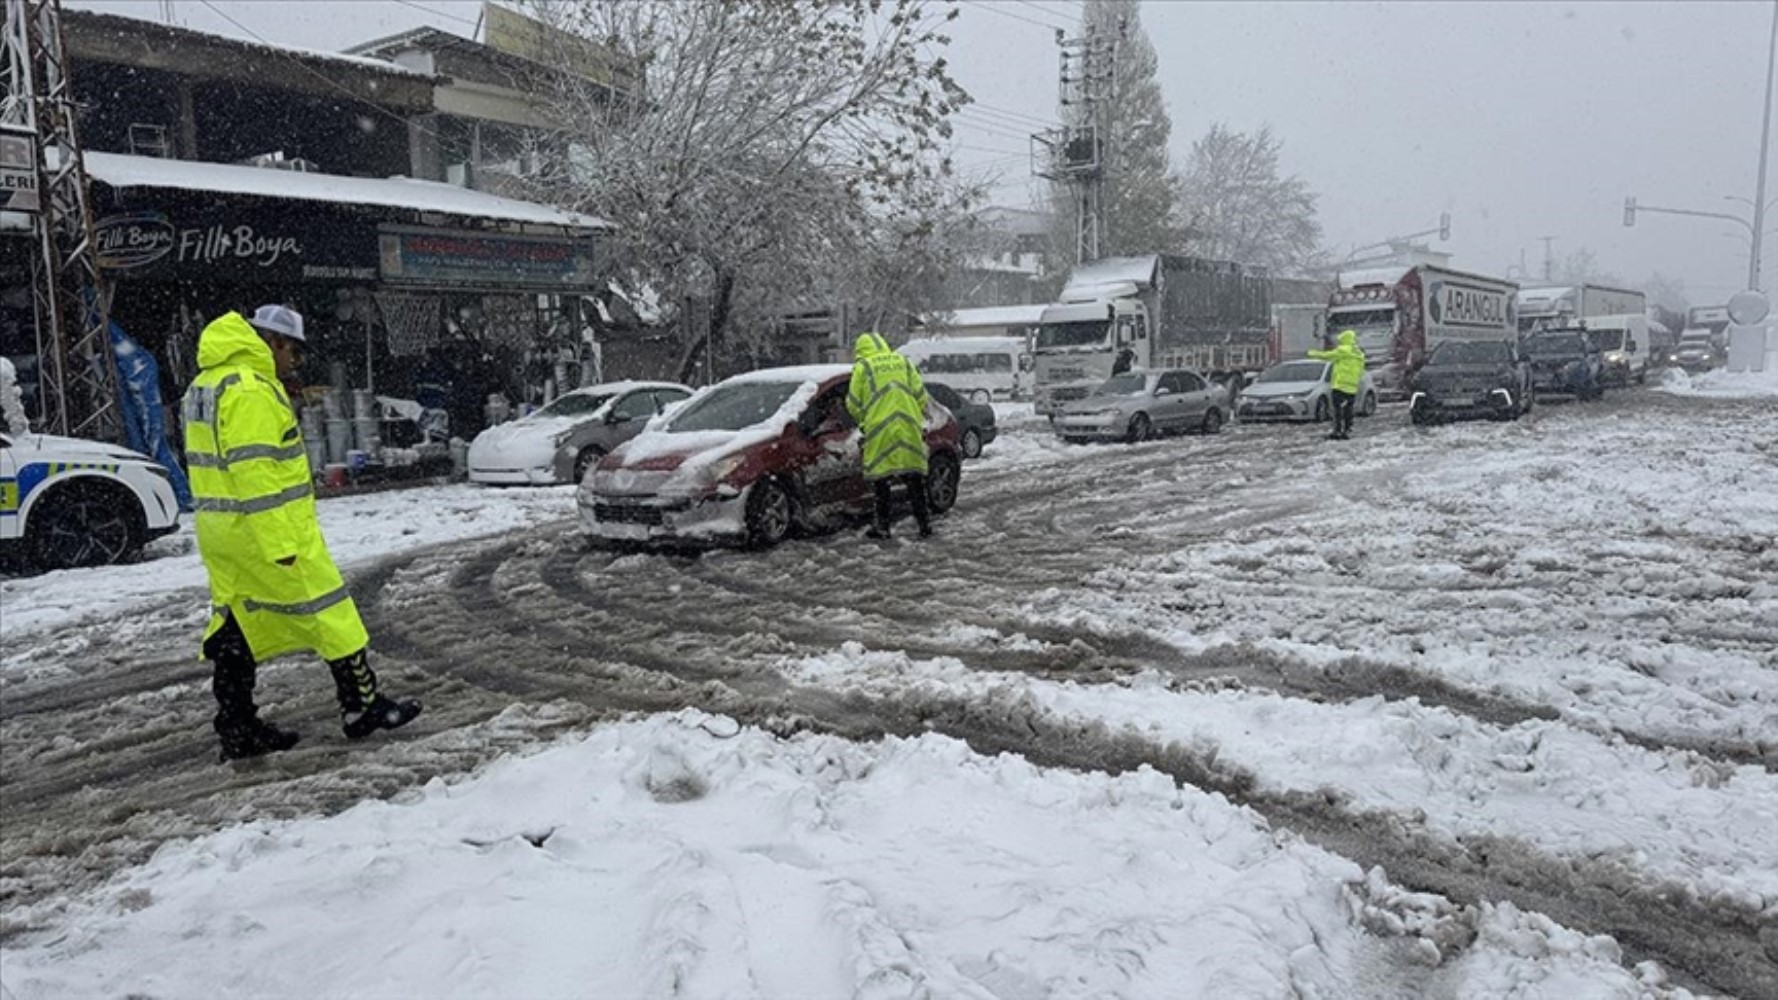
(1212, 421)
(942, 478)
(1419, 417)
(981, 396)
(971, 443)
(584, 462)
(769, 513)
(1321, 410)
(1140, 429)
(85, 525)
(1369, 407)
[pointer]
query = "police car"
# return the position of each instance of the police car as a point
(66, 502)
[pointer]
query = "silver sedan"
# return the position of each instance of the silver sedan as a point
(560, 442)
(1139, 405)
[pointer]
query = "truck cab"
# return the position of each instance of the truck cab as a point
(1081, 344)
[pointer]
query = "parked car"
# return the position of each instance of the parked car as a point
(976, 419)
(1141, 404)
(1567, 362)
(66, 502)
(750, 460)
(1299, 390)
(560, 442)
(1472, 378)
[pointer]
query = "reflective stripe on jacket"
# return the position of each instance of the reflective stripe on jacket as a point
(1348, 363)
(887, 399)
(255, 502)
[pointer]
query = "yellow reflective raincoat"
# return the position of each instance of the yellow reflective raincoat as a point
(888, 401)
(256, 504)
(1348, 363)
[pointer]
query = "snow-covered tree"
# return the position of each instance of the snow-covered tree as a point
(1581, 266)
(1237, 205)
(1668, 292)
(1140, 183)
(769, 154)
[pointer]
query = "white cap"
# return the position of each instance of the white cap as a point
(281, 320)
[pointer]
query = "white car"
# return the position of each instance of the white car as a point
(68, 502)
(1299, 390)
(560, 442)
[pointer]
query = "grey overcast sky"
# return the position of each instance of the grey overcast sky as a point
(1522, 119)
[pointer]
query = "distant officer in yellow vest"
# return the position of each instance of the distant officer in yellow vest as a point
(273, 587)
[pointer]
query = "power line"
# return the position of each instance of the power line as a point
(1044, 10)
(438, 13)
(992, 9)
(1014, 118)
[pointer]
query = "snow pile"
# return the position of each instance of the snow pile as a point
(685, 855)
(358, 529)
(1720, 383)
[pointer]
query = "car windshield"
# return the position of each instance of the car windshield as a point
(733, 406)
(1564, 344)
(1608, 340)
(1295, 371)
(1086, 334)
(1470, 352)
(576, 404)
(1124, 385)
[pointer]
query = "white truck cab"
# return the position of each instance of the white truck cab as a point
(68, 502)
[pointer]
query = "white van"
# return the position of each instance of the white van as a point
(979, 368)
(1624, 342)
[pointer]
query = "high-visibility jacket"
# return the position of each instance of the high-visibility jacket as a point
(1348, 363)
(255, 501)
(887, 399)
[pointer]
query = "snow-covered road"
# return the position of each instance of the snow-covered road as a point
(1337, 718)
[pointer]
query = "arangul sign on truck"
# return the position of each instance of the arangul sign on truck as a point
(1401, 313)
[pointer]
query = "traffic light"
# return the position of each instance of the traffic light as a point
(1444, 225)
(1629, 212)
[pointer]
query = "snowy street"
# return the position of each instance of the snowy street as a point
(1471, 710)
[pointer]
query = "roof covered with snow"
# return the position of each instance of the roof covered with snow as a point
(121, 171)
(83, 26)
(963, 319)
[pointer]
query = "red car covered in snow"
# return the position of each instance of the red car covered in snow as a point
(751, 460)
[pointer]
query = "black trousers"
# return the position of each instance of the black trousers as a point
(916, 486)
(1342, 414)
(236, 673)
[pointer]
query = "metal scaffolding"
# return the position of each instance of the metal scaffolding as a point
(77, 373)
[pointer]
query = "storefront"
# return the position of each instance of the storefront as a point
(408, 288)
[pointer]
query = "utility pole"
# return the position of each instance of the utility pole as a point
(1765, 145)
(77, 373)
(1549, 263)
(1077, 154)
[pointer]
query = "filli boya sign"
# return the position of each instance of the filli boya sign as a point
(245, 245)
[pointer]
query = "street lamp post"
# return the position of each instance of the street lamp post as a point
(1756, 226)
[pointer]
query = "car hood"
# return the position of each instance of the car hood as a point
(1269, 390)
(529, 441)
(77, 448)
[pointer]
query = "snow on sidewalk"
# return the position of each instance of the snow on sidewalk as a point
(358, 529)
(684, 855)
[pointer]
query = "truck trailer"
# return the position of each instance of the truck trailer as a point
(1401, 313)
(1152, 311)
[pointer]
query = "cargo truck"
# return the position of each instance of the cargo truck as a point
(1152, 311)
(1401, 313)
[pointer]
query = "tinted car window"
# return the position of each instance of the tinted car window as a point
(946, 396)
(1190, 382)
(664, 398)
(635, 406)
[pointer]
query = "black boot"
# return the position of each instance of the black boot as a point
(362, 710)
(237, 723)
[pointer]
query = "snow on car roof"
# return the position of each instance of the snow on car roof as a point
(624, 386)
(791, 373)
